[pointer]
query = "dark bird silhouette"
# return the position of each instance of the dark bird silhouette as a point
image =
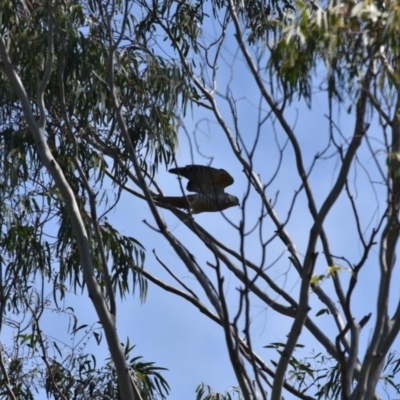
(208, 183)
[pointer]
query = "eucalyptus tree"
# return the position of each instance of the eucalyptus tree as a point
(301, 98)
(61, 63)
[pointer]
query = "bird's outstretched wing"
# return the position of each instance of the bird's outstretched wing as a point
(204, 179)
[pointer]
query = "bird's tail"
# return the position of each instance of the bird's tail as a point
(178, 201)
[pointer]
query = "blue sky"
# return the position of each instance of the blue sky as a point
(175, 335)
(171, 332)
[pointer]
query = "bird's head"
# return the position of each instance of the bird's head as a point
(232, 201)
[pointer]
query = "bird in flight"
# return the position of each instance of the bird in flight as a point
(208, 183)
